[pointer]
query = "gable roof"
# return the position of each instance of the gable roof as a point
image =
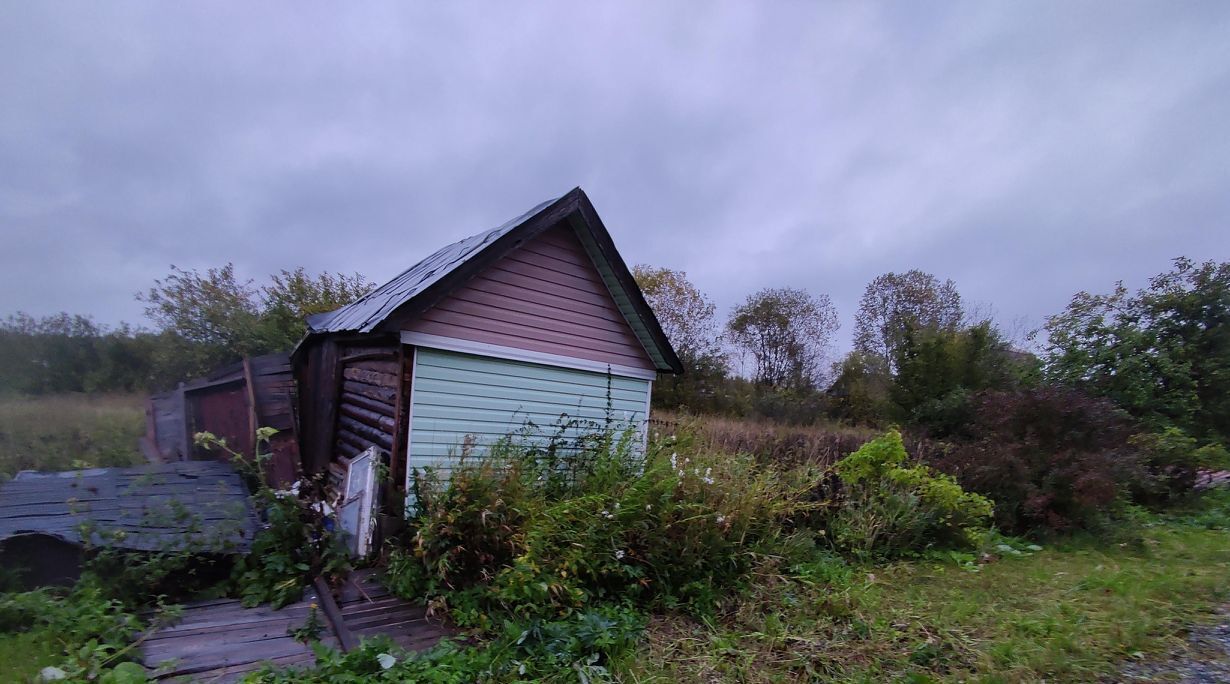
(424, 284)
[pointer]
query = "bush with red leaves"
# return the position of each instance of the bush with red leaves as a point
(1051, 458)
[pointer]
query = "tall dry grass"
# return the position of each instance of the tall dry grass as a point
(782, 444)
(67, 431)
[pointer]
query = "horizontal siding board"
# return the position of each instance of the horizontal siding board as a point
(480, 369)
(545, 297)
(580, 276)
(557, 252)
(479, 332)
(602, 320)
(460, 396)
(504, 322)
(551, 299)
(472, 391)
(552, 406)
(565, 280)
(504, 280)
(451, 418)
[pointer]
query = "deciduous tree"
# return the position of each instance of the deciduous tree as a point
(893, 301)
(787, 331)
(1162, 353)
(688, 318)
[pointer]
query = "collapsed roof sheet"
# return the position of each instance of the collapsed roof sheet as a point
(193, 505)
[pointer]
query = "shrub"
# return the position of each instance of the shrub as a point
(1051, 458)
(890, 508)
(94, 633)
(665, 529)
(1175, 461)
(297, 541)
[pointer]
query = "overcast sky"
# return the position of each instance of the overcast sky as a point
(1027, 150)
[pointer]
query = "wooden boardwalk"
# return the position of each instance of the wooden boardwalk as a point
(221, 641)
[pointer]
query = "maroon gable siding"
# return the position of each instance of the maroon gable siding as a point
(545, 297)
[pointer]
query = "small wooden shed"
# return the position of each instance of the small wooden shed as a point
(536, 320)
(232, 402)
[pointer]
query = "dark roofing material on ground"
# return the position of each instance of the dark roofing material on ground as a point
(196, 505)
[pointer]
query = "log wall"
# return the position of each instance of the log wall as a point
(368, 399)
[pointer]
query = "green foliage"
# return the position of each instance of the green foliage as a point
(214, 315)
(861, 392)
(1209, 509)
(292, 296)
(893, 303)
(202, 321)
(1073, 612)
(891, 508)
(688, 319)
(64, 353)
(92, 633)
(937, 370)
(500, 536)
(1162, 353)
(787, 332)
(577, 648)
(1175, 461)
(297, 541)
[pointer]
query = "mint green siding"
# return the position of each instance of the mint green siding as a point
(458, 395)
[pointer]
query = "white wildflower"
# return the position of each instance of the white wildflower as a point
(619, 555)
(721, 519)
(386, 661)
(674, 463)
(649, 507)
(617, 505)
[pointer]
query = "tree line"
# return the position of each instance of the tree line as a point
(920, 356)
(201, 320)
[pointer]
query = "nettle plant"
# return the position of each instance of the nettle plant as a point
(889, 507)
(502, 535)
(297, 541)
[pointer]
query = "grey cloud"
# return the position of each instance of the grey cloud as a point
(1026, 150)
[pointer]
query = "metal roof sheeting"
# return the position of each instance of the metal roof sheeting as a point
(193, 505)
(459, 260)
(367, 312)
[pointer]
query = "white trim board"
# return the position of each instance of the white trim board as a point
(513, 354)
(414, 360)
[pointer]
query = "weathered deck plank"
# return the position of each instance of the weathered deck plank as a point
(220, 641)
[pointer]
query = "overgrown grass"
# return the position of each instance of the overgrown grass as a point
(69, 431)
(1069, 613)
(779, 443)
